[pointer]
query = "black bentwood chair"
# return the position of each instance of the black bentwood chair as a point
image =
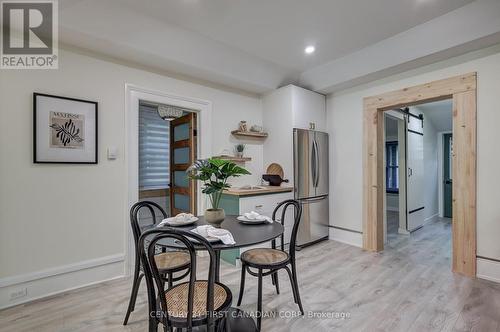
(272, 260)
(188, 304)
(168, 262)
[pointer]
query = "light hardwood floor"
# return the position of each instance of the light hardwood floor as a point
(408, 287)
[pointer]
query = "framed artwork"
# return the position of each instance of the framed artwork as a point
(64, 130)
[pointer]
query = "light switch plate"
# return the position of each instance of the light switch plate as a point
(112, 152)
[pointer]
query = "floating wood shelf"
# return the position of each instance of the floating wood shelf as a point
(249, 134)
(235, 159)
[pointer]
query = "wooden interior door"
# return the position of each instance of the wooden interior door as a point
(183, 136)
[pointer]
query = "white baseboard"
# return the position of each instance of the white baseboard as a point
(346, 236)
(426, 221)
(431, 218)
(488, 269)
(53, 281)
(403, 231)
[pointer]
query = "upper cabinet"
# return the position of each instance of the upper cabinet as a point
(295, 107)
(308, 109)
(284, 109)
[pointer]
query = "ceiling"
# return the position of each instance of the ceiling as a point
(259, 45)
(439, 113)
(279, 30)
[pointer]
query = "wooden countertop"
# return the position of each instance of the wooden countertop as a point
(254, 192)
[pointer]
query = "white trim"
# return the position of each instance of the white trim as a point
(402, 176)
(61, 279)
(440, 161)
(431, 218)
(347, 237)
(133, 94)
(403, 231)
(14, 280)
(488, 269)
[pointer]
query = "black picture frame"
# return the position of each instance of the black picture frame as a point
(35, 143)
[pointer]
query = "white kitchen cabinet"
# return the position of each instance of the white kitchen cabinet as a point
(263, 204)
(284, 109)
(308, 109)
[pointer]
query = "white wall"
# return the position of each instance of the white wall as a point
(52, 216)
(345, 125)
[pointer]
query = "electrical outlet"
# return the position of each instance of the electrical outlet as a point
(20, 293)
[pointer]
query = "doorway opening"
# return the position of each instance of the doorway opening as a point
(418, 175)
(462, 91)
(134, 95)
(167, 147)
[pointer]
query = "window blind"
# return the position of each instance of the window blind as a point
(154, 149)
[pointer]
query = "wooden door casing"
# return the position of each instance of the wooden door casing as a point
(462, 89)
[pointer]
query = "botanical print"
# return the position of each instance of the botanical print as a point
(67, 130)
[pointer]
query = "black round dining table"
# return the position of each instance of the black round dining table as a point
(244, 235)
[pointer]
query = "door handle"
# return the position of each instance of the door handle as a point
(448, 181)
(313, 163)
(317, 163)
(312, 200)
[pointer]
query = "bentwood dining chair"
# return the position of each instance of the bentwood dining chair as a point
(188, 304)
(168, 262)
(268, 261)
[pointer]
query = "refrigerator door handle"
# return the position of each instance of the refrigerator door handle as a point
(312, 200)
(313, 163)
(316, 149)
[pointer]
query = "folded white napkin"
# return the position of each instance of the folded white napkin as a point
(180, 218)
(252, 215)
(222, 234)
(162, 223)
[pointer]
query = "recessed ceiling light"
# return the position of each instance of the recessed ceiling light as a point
(309, 49)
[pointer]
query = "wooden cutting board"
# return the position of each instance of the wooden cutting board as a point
(275, 169)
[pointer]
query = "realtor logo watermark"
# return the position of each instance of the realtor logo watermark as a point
(29, 34)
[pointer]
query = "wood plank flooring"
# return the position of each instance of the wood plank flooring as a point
(408, 287)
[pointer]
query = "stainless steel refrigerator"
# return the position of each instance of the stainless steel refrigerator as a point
(310, 158)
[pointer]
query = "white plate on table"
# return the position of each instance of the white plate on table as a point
(175, 223)
(258, 220)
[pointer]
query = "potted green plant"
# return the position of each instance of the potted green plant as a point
(239, 150)
(214, 173)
